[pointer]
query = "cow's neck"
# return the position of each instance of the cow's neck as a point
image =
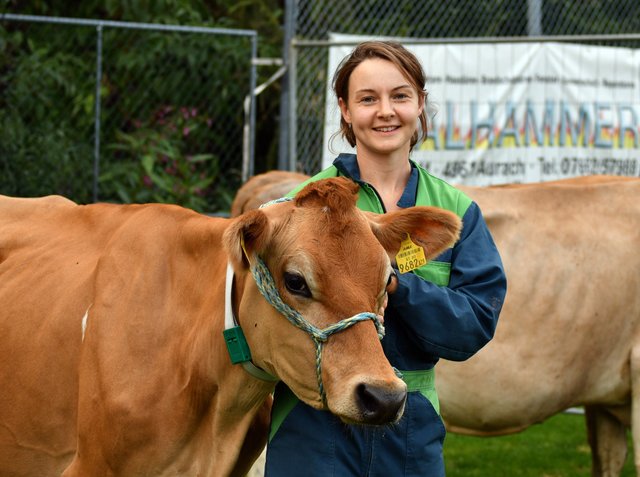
(240, 405)
(234, 336)
(252, 390)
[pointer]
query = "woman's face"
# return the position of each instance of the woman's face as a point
(383, 108)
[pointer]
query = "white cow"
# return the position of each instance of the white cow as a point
(569, 333)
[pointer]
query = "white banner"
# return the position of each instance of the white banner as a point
(520, 112)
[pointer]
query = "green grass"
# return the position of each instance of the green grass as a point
(556, 448)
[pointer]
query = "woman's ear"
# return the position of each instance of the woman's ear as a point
(422, 99)
(344, 110)
(431, 228)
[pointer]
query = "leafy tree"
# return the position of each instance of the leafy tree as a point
(48, 93)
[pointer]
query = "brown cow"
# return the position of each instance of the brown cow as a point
(111, 320)
(569, 332)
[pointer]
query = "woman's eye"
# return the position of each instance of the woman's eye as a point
(296, 284)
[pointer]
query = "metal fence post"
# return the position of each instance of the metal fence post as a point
(534, 17)
(293, 117)
(252, 93)
(289, 32)
(96, 145)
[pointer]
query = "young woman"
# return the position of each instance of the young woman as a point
(446, 309)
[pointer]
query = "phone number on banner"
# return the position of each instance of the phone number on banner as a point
(594, 165)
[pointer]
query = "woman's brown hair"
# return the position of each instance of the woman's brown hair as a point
(391, 51)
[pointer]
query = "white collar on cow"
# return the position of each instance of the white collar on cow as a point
(234, 337)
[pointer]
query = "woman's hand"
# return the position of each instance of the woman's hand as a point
(392, 286)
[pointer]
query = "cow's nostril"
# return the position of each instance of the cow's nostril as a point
(379, 405)
(367, 398)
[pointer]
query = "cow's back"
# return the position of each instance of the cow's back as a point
(264, 187)
(572, 311)
(50, 254)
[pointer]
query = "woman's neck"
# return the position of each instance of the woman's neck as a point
(388, 175)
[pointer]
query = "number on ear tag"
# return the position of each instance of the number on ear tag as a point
(410, 256)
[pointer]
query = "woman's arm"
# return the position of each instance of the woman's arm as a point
(454, 322)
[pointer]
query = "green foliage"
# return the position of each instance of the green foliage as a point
(153, 166)
(44, 92)
(41, 160)
(189, 92)
(47, 100)
(604, 16)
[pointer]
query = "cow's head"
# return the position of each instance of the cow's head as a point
(329, 262)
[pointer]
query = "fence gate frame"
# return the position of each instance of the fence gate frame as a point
(248, 141)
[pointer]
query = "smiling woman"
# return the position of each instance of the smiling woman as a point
(442, 305)
(381, 109)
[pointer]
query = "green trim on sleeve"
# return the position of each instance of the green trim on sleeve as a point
(435, 272)
(435, 192)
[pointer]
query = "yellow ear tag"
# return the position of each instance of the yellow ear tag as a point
(410, 256)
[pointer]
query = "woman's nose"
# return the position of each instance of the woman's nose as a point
(386, 108)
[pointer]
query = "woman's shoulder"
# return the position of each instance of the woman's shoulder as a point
(435, 191)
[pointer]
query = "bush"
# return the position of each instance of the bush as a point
(152, 164)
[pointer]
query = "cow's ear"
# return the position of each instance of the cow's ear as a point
(246, 235)
(432, 228)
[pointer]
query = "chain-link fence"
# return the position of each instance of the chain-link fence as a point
(165, 120)
(427, 19)
(124, 112)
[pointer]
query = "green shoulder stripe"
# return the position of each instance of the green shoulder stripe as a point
(331, 171)
(436, 192)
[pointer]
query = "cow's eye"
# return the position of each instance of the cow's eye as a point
(296, 284)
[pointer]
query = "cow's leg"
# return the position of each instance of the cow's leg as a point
(608, 441)
(635, 406)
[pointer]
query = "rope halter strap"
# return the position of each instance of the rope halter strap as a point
(267, 287)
